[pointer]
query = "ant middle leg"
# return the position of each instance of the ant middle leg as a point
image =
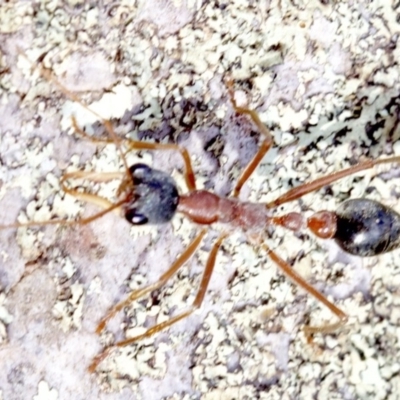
(194, 306)
(137, 294)
(264, 146)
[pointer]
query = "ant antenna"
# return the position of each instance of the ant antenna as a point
(49, 76)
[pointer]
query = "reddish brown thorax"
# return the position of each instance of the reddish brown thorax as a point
(205, 208)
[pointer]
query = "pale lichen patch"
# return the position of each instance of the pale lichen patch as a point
(45, 393)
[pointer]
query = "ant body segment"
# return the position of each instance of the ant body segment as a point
(360, 227)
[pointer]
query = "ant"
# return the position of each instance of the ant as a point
(360, 226)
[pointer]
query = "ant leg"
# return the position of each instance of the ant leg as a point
(163, 325)
(295, 277)
(86, 197)
(82, 221)
(137, 294)
(319, 183)
(93, 176)
(264, 147)
(50, 77)
(189, 174)
(132, 144)
(138, 145)
(196, 303)
(82, 133)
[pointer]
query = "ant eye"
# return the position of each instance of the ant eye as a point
(139, 170)
(135, 218)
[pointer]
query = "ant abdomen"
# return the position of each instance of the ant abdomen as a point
(367, 228)
(154, 196)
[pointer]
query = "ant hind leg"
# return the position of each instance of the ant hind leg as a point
(309, 187)
(295, 277)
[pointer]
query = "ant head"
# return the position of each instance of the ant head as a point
(154, 196)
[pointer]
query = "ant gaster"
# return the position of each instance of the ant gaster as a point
(360, 227)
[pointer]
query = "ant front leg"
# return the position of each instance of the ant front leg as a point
(264, 147)
(82, 133)
(86, 197)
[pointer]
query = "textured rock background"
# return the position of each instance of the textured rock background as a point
(323, 76)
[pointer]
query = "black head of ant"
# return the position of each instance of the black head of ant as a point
(154, 198)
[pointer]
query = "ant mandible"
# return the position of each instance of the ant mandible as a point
(360, 227)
